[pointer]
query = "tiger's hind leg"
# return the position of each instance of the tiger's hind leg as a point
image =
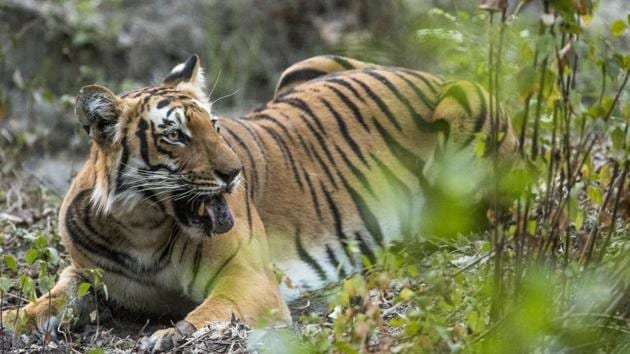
(60, 308)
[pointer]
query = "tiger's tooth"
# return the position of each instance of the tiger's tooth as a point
(201, 209)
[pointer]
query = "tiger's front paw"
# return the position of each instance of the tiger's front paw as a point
(166, 339)
(22, 321)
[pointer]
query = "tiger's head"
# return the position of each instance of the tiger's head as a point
(161, 145)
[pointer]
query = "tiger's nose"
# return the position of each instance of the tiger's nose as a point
(229, 176)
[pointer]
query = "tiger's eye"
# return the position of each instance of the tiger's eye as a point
(173, 135)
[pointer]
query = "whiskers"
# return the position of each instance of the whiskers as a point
(157, 187)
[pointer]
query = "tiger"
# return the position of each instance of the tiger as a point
(193, 215)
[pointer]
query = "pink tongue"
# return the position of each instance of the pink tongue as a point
(220, 215)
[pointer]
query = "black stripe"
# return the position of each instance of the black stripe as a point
(251, 180)
(410, 162)
(343, 239)
(246, 126)
(305, 147)
(481, 118)
(383, 107)
(259, 144)
(330, 254)
(423, 125)
(365, 248)
(313, 194)
(459, 95)
(250, 223)
(304, 107)
(324, 166)
(124, 158)
(77, 233)
(168, 250)
(343, 128)
(341, 61)
(299, 76)
(353, 108)
(268, 118)
(355, 171)
(323, 143)
(141, 133)
(168, 113)
(422, 78)
(125, 264)
(181, 254)
(214, 277)
(346, 84)
(306, 258)
(404, 209)
(155, 137)
(163, 103)
(418, 92)
(369, 220)
(286, 153)
(195, 270)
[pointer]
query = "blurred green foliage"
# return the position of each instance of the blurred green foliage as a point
(549, 275)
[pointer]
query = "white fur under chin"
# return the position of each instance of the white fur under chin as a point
(103, 200)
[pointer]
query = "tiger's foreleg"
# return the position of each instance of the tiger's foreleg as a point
(240, 292)
(59, 308)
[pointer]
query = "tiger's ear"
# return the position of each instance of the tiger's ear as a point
(98, 110)
(189, 77)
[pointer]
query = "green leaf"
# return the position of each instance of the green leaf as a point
(406, 294)
(10, 262)
(626, 62)
(5, 284)
(42, 241)
(53, 255)
(83, 289)
(617, 28)
(617, 136)
(45, 284)
(26, 286)
(31, 256)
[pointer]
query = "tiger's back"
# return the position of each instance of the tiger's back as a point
(336, 161)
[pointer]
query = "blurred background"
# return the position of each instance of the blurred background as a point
(49, 49)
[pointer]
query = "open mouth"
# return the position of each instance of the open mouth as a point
(211, 213)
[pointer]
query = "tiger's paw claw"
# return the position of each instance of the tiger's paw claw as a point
(166, 339)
